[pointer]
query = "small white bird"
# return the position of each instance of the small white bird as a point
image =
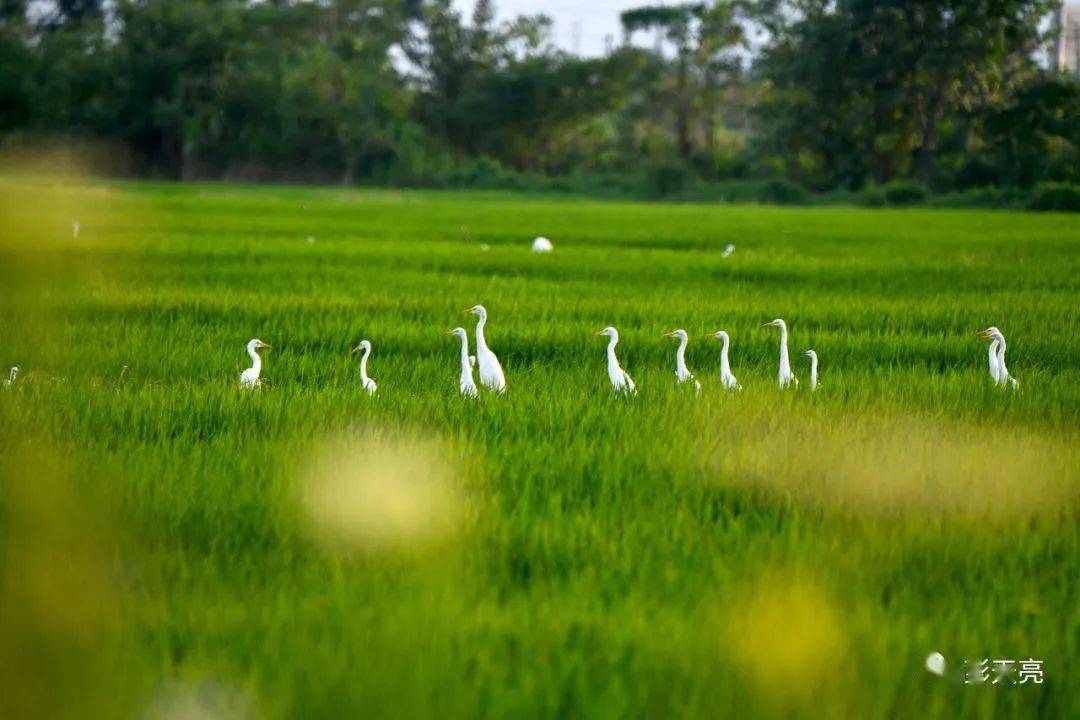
(491, 373)
(250, 377)
(786, 376)
(368, 383)
(996, 357)
(813, 368)
(542, 245)
(726, 378)
(75, 229)
(682, 373)
(728, 249)
(466, 385)
(620, 379)
(12, 374)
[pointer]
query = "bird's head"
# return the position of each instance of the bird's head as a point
(257, 343)
(681, 334)
(777, 323)
(479, 310)
(364, 346)
(810, 354)
(460, 332)
(990, 333)
(719, 335)
(609, 331)
(13, 373)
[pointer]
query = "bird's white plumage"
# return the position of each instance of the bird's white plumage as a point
(365, 349)
(813, 368)
(542, 245)
(785, 376)
(491, 372)
(682, 373)
(466, 385)
(726, 378)
(996, 357)
(250, 377)
(620, 379)
(728, 249)
(12, 374)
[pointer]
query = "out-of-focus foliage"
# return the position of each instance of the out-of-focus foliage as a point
(949, 95)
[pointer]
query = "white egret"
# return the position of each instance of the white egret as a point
(250, 377)
(368, 383)
(620, 380)
(466, 385)
(786, 376)
(997, 363)
(682, 373)
(12, 374)
(728, 249)
(542, 245)
(813, 368)
(726, 378)
(491, 373)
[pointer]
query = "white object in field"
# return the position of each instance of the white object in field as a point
(682, 373)
(813, 368)
(620, 379)
(310, 239)
(786, 376)
(250, 377)
(542, 245)
(365, 348)
(728, 249)
(466, 384)
(726, 378)
(491, 373)
(484, 247)
(75, 229)
(996, 357)
(12, 374)
(935, 663)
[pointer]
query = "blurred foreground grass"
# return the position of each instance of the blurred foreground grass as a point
(172, 547)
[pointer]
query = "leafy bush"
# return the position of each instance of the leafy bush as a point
(1056, 196)
(871, 196)
(783, 192)
(904, 192)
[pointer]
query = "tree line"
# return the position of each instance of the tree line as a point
(829, 94)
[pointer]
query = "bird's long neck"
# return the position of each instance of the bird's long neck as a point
(725, 368)
(611, 359)
(363, 364)
(1001, 360)
(12, 374)
(813, 370)
(785, 364)
(481, 344)
(466, 364)
(256, 361)
(680, 357)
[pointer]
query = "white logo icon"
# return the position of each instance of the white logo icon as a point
(935, 663)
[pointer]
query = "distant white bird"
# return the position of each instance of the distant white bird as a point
(813, 368)
(786, 376)
(682, 373)
(620, 380)
(466, 385)
(726, 378)
(997, 361)
(728, 249)
(368, 383)
(542, 245)
(491, 373)
(75, 229)
(250, 377)
(12, 374)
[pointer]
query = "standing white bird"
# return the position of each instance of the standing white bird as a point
(682, 373)
(250, 377)
(12, 374)
(786, 376)
(466, 385)
(726, 378)
(992, 353)
(542, 245)
(813, 368)
(998, 363)
(491, 373)
(620, 380)
(368, 383)
(728, 249)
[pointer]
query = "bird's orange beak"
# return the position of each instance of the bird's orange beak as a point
(467, 311)
(983, 334)
(354, 350)
(768, 324)
(264, 345)
(669, 334)
(598, 332)
(448, 332)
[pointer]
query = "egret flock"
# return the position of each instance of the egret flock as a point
(492, 377)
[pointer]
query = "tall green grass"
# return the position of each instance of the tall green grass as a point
(761, 553)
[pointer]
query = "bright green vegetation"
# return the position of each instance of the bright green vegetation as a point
(759, 553)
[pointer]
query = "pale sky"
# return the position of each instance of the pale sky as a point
(584, 23)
